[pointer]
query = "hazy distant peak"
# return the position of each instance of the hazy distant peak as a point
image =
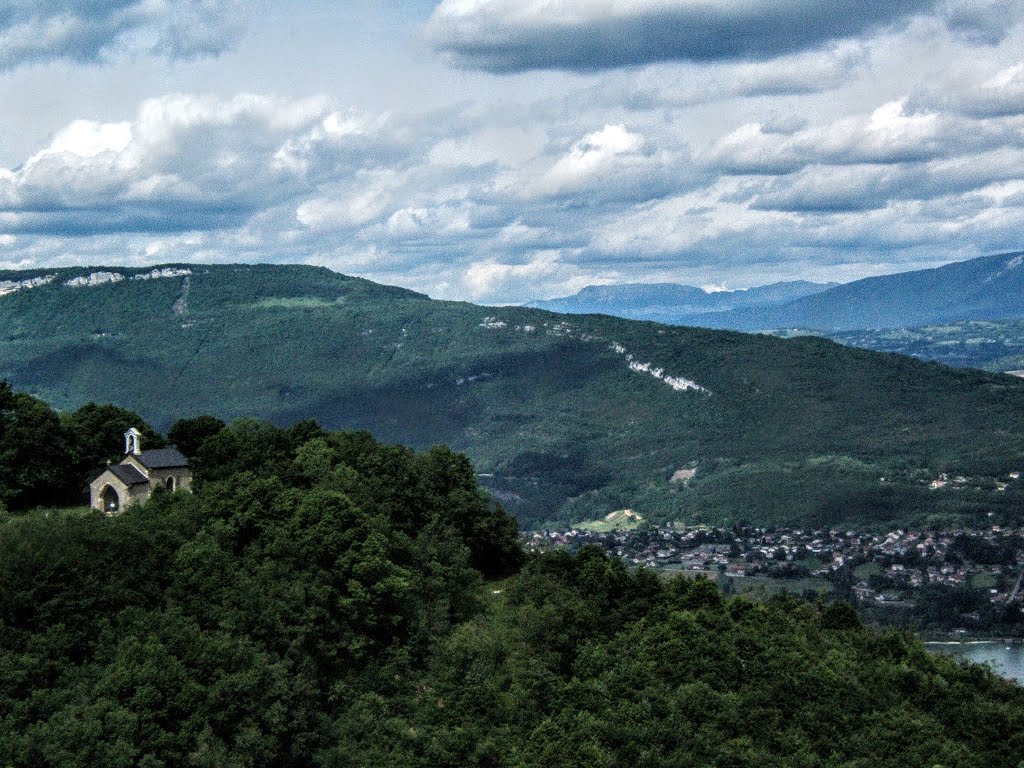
(617, 291)
(985, 288)
(668, 302)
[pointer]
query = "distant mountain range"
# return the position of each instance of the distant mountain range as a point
(565, 417)
(674, 304)
(986, 288)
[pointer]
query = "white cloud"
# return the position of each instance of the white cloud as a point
(184, 162)
(87, 138)
(340, 137)
(684, 222)
(595, 154)
(420, 222)
(321, 213)
(507, 146)
(901, 131)
(390, 197)
(1000, 94)
(543, 274)
(867, 186)
(360, 200)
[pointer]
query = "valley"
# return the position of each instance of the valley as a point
(993, 345)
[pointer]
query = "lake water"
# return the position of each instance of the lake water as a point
(1005, 660)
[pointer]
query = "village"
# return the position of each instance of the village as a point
(872, 568)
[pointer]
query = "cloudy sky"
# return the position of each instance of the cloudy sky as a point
(503, 150)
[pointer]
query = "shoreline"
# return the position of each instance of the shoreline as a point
(1006, 641)
(992, 641)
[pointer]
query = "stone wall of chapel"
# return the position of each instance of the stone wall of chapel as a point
(182, 478)
(96, 489)
(139, 494)
(127, 495)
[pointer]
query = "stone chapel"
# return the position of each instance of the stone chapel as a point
(133, 480)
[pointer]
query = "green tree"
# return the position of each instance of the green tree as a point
(188, 435)
(36, 460)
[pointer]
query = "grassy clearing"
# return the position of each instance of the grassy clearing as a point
(866, 571)
(301, 302)
(619, 520)
(52, 513)
(984, 581)
(764, 586)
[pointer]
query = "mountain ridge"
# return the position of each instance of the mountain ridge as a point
(572, 416)
(963, 290)
(983, 288)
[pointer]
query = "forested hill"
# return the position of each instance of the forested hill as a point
(320, 600)
(566, 417)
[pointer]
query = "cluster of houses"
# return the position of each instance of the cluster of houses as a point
(900, 560)
(959, 482)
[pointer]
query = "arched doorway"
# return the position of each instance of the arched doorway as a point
(170, 483)
(111, 501)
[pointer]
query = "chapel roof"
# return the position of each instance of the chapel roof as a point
(128, 474)
(162, 458)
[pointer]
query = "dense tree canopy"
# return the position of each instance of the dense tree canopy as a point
(323, 599)
(96, 435)
(188, 435)
(34, 452)
(267, 625)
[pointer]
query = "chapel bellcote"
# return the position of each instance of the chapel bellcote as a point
(133, 442)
